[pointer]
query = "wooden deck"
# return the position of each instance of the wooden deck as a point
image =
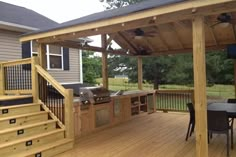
(154, 135)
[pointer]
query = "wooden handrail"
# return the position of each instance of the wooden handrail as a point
(16, 62)
(174, 91)
(68, 95)
(50, 79)
(174, 100)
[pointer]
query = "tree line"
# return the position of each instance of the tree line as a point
(166, 69)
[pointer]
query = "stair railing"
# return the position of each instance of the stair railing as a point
(15, 77)
(58, 99)
(26, 76)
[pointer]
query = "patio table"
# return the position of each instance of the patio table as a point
(230, 108)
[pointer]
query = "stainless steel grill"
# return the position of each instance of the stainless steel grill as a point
(94, 95)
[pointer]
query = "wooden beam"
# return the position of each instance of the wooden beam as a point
(165, 14)
(42, 55)
(76, 45)
(69, 114)
(35, 84)
(200, 86)
(104, 62)
(140, 73)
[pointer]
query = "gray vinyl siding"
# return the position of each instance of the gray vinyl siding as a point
(72, 75)
(10, 49)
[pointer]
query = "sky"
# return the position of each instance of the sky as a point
(63, 10)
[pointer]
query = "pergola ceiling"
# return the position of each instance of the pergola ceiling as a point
(176, 37)
(156, 31)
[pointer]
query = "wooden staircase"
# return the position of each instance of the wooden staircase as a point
(28, 130)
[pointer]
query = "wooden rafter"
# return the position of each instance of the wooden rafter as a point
(161, 38)
(234, 31)
(179, 40)
(183, 24)
(111, 37)
(148, 43)
(211, 31)
(131, 47)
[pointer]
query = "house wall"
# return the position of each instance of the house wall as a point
(10, 49)
(72, 75)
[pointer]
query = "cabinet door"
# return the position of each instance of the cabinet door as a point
(126, 108)
(102, 117)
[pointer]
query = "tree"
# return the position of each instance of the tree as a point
(91, 67)
(112, 4)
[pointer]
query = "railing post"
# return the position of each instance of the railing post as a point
(69, 115)
(2, 82)
(35, 84)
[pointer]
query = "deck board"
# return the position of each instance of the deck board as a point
(154, 135)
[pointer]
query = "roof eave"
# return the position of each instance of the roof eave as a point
(16, 27)
(190, 7)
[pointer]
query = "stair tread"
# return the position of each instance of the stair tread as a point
(23, 115)
(18, 106)
(42, 148)
(7, 97)
(26, 126)
(30, 138)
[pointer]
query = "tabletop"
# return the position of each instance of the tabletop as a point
(230, 108)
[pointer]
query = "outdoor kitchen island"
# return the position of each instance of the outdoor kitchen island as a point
(92, 117)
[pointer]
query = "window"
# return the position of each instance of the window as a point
(34, 48)
(54, 55)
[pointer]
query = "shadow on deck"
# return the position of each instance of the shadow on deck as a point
(155, 135)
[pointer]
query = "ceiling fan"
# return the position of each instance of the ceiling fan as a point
(224, 19)
(138, 33)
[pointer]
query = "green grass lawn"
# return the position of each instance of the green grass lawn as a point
(216, 91)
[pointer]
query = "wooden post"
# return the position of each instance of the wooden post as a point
(2, 81)
(140, 73)
(69, 114)
(200, 86)
(235, 78)
(42, 55)
(104, 62)
(35, 84)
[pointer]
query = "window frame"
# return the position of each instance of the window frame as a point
(48, 54)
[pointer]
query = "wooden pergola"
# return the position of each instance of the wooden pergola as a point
(154, 28)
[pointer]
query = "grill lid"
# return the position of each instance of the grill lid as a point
(94, 94)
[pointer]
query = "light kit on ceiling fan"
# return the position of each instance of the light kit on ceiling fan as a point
(223, 20)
